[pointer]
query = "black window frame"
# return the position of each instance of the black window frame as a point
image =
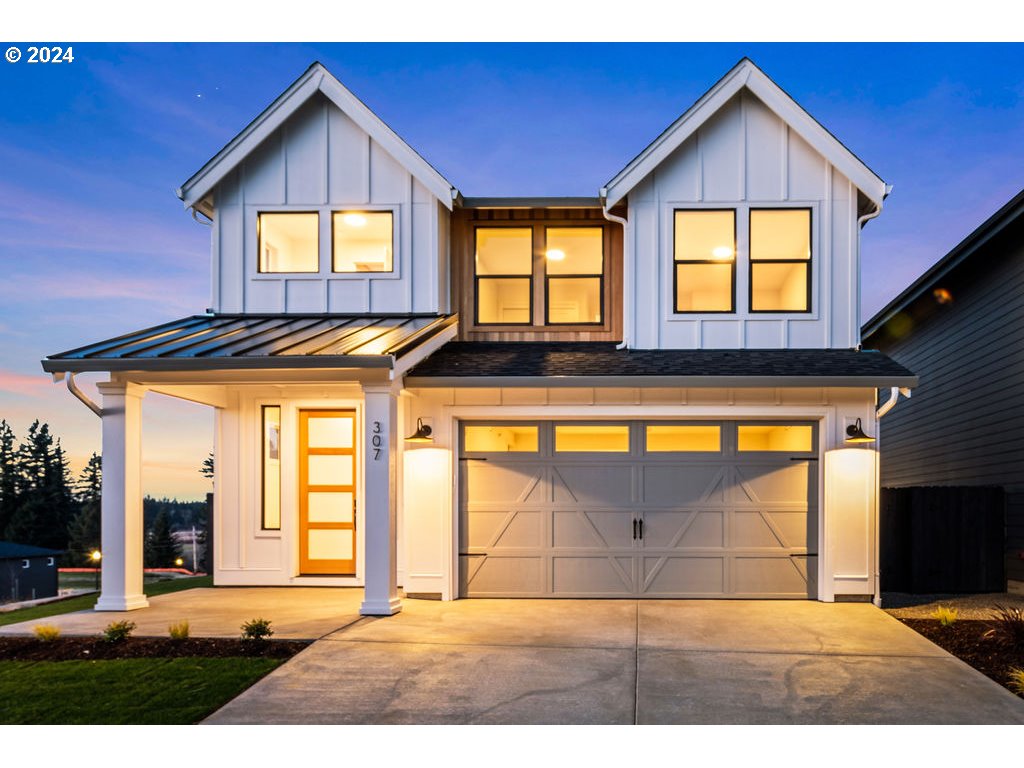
(809, 262)
(477, 278)
(587, 276)
(335, 212)
(259, 241)
(676, 262)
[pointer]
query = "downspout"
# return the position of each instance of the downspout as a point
(884, 408)
(627, 282)
(74, 390)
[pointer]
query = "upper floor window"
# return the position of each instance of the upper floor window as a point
(569, 264)
(288, 242)
(363, 241)
(705, 261)
(780, 260)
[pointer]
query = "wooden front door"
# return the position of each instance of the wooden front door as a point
(327, 492)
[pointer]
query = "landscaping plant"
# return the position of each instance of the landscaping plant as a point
(118, 631)
(947, 616)
(1017, 680)
(256, 629)
(1008, 626)
(47, 633)
(179, 631)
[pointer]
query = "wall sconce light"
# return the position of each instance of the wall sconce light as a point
(422, 434)
(855, 434)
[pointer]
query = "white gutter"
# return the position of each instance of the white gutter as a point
(894, 395)
(74, 390)
(627, 282)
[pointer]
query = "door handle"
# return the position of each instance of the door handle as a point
(641, 529)
(634, 529)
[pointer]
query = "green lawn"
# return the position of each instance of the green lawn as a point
(84, 602)
(123, 691)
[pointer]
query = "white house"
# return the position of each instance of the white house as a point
(647, 393)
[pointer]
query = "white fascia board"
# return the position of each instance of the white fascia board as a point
(642, 382)
(745, 74)
(315, 79)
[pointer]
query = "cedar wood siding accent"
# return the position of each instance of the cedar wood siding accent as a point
(964, 424)
(463, 222)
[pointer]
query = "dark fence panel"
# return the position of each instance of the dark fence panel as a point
(943, 539)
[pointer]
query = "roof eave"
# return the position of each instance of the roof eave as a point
(730, 382)
(191, 364)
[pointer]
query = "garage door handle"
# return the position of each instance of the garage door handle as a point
(470, 458)
(641, 529)
(634, 529)
(806, 554)
(803, 458)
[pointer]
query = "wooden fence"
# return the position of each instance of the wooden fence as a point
(943, 539)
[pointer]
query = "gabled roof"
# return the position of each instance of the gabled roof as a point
(314, 80)
(746, 74)
(941, 269)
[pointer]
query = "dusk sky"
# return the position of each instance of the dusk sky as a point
(94, 242)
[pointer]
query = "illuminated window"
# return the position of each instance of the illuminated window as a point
(271, 461)
(683, 438)
(780, 260)
(500, 438)
(574, 264)
(592, 438)
(363, 241)
(504, 275)
(705, 260)
(796, 438)
(288, 242)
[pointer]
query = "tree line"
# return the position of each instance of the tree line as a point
(41, 504)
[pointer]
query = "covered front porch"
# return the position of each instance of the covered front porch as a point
(305, 367)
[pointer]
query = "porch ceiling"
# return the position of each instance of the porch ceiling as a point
(248, 342)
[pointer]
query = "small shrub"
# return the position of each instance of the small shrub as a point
(947, 616)
(47, 633)
(256, 629)
(1008, 626)
(179, 631)
(118, 631)
(1017, 680)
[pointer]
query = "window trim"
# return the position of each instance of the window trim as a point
(477, 278)
(676, 262)
(335, 212)
(548, 277)
(259, 240)
(809, 261)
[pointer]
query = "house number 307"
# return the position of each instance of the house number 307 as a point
(376, 441)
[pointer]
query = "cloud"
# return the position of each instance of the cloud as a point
(25, 385)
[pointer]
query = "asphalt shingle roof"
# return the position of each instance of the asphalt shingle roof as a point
(513, 360)
(9, 549)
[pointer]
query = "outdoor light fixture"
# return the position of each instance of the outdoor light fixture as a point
(179, 562)
(422, 433)
(855, 434)
(96, 556)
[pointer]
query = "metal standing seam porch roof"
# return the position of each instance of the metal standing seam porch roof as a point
(221, 342)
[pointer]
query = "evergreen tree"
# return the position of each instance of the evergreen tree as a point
(45, 503)
(206, 470)
(8, 476)
(84, 531)
(160, 549)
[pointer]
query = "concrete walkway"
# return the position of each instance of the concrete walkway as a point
(620, 661)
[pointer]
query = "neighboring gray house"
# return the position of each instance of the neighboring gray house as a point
(27, 573)
(960, 327)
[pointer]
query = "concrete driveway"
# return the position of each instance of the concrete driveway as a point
(621, 661)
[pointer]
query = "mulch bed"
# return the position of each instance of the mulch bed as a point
(79, 648)
(967, 641)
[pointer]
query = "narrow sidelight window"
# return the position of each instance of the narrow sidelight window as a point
(288, 242)
(271, 440)
(780, 260)
(574, 265)
(363, 241)
(504, 275)
(705, 261)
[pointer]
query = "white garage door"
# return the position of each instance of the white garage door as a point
(638, 509)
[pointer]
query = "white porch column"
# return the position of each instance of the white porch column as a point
(380, 561)
(122, 528)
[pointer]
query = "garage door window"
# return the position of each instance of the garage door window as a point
(592, 438)
(664, 438)
(501, 438)
(776, 437)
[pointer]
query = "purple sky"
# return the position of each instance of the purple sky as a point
(94, 243)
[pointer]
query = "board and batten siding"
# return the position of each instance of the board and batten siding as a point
(744, 155)
(320, 160)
